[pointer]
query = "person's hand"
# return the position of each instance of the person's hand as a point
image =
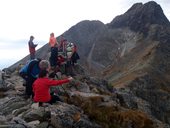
(70, 78)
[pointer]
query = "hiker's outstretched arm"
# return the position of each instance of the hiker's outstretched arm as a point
(59, 82)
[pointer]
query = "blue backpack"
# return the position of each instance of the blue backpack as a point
(31, 69)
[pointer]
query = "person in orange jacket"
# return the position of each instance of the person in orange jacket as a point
(54, 50)
(32, 47)
(41, 88)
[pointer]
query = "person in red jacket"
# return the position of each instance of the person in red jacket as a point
(41, 88)
(32, 47)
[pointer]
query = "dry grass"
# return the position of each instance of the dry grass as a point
(112, 116)
(123, 81)
(138, 58)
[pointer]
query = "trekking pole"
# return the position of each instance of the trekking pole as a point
(66, 93)
(64, 89)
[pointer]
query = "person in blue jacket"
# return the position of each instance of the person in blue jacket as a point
(30, 73)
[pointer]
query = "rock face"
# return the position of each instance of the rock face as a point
(1, 79)
(140, 16)
(145, 69)
(133, 54)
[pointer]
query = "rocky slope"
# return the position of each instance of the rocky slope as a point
(88, 103)
(145, 69)
(132, 54)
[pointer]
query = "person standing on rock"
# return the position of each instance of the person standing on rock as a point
(75, 56)
(54, 51)
(41, 88)
(32, 47)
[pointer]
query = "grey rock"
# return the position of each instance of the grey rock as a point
(43, 125)
(68, 116)
(12, 104)
(36, 114)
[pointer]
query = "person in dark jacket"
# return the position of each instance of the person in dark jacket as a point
(41, 88)
(32, 47)
(75, 56)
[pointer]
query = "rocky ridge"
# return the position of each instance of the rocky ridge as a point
(88, 103)
(136, 63)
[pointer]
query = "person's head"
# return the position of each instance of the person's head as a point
(52, 34)
(44, 65)
(31, 37)
(43, 73)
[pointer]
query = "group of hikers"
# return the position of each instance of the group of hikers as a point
(39, 74)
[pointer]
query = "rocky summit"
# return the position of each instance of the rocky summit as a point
(121, 81)
(140, 16)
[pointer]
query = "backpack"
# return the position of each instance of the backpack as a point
(25, 72)
(69, 50)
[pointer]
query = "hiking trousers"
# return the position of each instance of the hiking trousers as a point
(53, 57)
(32, 56)
(28, 87)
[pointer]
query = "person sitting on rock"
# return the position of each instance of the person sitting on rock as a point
(41, 88)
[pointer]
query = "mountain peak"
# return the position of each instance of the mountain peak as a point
(140, 16)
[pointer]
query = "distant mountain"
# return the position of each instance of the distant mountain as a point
(132, 53)
(140, 16)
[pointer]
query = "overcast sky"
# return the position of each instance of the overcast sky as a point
(22, 18)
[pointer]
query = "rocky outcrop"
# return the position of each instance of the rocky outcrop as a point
(88, 103)
(140, 16)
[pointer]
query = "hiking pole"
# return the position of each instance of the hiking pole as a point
(65, 91)
(68, 97)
